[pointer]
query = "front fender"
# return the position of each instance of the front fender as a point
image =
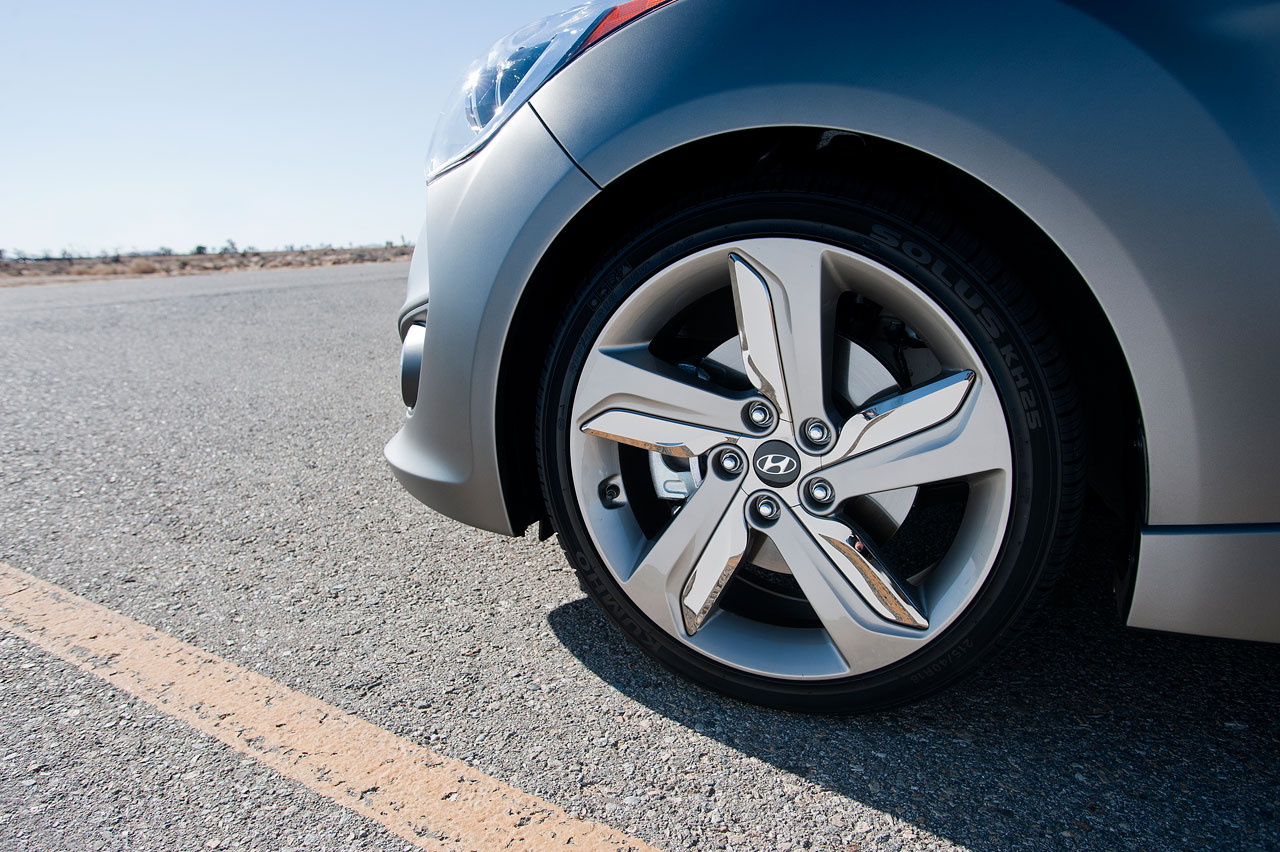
(1134, 178)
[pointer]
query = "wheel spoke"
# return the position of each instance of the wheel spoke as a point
(714, 567)
(865, 638)
(904, 414)
(866, 572)
(681, 563)
(785, 325)
(754, 304)
(659, 403)
(971, 441)
(669, 437)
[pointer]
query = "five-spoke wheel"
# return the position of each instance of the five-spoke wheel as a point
(788, 466)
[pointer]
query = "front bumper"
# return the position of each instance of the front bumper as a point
(488, 223)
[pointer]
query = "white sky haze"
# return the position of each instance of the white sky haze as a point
(134, 125)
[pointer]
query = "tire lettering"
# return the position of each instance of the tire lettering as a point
(1030, 405)
(885, 235)
(917, 253)
(941, 269)
(968, 294)
(991, 322)
(951, 657)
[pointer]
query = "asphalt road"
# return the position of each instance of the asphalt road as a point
(204, 455)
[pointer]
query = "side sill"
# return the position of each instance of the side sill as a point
(1221, 580)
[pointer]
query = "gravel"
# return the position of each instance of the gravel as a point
(204, 455)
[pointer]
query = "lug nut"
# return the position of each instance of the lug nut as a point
(767, 507)
(759, 415)
(730, 462)
(820, 491)
(817, 432)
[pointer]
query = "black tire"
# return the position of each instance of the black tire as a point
(924, 243)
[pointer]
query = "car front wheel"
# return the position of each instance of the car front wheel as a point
(809, 450)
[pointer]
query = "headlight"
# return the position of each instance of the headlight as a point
(504, 79)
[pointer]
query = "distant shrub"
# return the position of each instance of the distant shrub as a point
(96, 269)
(200, 250)
(142, 266)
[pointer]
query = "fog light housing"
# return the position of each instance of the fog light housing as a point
(411, 363)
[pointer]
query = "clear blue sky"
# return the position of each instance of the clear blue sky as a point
(132, 125)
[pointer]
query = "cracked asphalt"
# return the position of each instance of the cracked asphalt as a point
(204, 455)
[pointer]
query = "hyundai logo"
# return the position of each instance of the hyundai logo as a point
(776, 463)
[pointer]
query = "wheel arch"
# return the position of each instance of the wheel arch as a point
(1115, 462)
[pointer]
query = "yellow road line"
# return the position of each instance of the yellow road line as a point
(430, 800)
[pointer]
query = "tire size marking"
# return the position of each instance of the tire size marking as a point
(952, 657)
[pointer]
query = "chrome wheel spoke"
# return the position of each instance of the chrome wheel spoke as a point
(755, 303)
(866, 572)
(902, 415)
(715, 567)
(865, 638)
(969, 441)
(669, 437)
(653, 402)
(682, 558)
(785, 325)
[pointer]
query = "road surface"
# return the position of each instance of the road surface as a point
(203, 456)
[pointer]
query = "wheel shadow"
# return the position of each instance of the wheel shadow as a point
(1084, 735)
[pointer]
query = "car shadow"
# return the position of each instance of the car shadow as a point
(1082, 735)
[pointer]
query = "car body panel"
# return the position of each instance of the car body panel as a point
(1093, 139)
(487, 223)
(1141, 140)
(1211, 581)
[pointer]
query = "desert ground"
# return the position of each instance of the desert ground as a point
(20, 272)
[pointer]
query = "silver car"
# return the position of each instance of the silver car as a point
(806, 327)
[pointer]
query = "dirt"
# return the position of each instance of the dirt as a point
(15, 273)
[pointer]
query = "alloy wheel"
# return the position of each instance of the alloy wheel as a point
(750, 437)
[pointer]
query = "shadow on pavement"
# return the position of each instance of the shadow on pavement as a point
(1084, 735)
